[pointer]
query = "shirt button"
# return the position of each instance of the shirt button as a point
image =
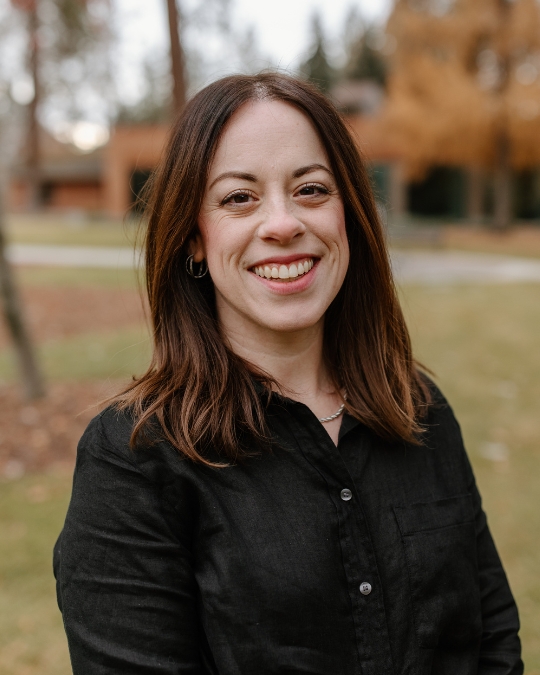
(365, 588)
(346, 495)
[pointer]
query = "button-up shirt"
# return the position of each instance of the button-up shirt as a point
(366, 558)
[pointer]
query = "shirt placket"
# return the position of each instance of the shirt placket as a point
(358, 555)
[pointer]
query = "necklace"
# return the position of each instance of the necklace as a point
(335, 415)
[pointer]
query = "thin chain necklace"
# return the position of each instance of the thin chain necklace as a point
(335, 415)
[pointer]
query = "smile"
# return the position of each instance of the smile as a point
(278, 272)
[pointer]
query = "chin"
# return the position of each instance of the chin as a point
(290, 324)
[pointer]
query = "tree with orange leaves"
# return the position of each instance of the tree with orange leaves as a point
(464, 88)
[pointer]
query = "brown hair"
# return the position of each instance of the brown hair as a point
(202, 394)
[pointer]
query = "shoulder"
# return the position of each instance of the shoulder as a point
(108, 439)
(109, 432)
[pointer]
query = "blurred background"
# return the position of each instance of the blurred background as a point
(443, 97)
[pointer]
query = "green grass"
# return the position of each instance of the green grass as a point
(66, 231)
(118, 354)
(32, 639)
(70, 277)
(483, 344)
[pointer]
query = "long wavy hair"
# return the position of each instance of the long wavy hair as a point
(201, 394)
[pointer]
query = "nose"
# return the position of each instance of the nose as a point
(280, 225)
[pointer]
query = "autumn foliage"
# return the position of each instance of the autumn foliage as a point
(464, 83)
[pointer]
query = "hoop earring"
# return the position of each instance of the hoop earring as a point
(203, 268)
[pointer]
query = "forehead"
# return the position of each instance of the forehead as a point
(262, 132)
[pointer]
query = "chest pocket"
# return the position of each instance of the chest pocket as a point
(440, 548)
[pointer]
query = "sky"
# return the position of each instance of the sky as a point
(282, 25)
(281, 28)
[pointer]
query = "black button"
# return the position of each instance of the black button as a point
(346, 495)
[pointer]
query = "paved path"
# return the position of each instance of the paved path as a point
(71, 256)
(443, 267)
(429, 267)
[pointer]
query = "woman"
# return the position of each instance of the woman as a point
(282, 491)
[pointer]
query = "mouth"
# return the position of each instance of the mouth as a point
(284, 273)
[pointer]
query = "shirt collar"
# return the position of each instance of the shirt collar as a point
(348, 422)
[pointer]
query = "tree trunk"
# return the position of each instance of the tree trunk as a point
(475, 194)
(502, 218)
(34, 201)
(177, 59)
(31, 377)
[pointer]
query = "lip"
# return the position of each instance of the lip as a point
(284, 259)
(289, 287)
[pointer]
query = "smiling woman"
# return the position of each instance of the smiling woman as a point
(275, 241)
(283, 491)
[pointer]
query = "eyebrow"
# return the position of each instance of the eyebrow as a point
(302, 171)
(234, 174)
(309, 169)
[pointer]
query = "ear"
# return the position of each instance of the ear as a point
(196, 248)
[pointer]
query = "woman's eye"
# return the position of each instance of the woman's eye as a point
(237, 198)
(311, 190)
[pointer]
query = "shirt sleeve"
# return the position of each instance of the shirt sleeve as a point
(125, 583)
(500, 651)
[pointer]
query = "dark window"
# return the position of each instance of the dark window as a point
(440, 194)
(527, 194)
(136, 185)
(47, 190)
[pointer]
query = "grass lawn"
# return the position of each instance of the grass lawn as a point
(32, 640)
(69, 277)
(483, 344)
(66, 231)
(118, 354)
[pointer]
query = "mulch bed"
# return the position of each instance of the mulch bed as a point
(54, 313)
(43, 435)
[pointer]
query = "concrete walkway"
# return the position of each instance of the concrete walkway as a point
(447, 267)
(71, 256)
(428, 267)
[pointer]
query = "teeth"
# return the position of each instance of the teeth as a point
(283, 271)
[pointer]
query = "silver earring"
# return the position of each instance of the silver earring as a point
(203, 268)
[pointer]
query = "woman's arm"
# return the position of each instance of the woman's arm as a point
(124, 579)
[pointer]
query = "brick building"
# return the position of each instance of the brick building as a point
(106, 182)
(103, 182)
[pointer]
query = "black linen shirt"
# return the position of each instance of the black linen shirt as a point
(369, 558)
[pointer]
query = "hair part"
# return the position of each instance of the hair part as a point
(199, 392)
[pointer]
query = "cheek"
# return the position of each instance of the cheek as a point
(213, 236)
(338, 232)
(224, 241)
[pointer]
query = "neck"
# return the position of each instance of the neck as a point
(293, 359)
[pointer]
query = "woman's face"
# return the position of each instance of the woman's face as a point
(272, 224)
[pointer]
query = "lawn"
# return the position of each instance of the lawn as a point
(70, 231)
(85, 277)
(481, 341)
